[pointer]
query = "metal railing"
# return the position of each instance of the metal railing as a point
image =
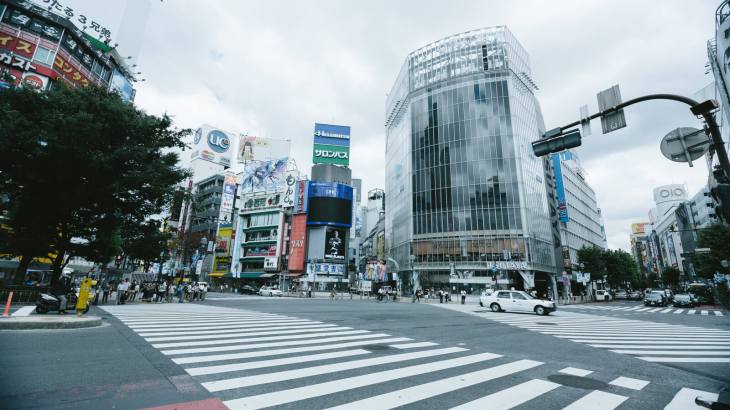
(22, 294)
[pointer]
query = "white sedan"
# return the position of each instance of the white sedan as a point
(269, 291)
(516, 301)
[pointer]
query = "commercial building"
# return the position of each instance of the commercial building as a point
(579, 217)
(39, 47)
(667, 226)
(641, 248)
(467, 202)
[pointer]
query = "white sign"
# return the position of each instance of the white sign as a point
(366, 286)
(510, 265)
(271, 263)
(326, 269)
(199, 267)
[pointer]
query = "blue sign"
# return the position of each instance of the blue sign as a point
(331, 132)
(120, 84)
(560, 189)
(330, 190)
(218, 141)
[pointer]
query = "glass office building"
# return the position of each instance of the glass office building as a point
(466, 199)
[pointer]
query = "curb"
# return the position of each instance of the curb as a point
(36, 322)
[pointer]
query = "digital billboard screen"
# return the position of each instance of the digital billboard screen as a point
(330, 211)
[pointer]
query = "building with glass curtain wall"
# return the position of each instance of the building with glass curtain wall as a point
(467, 204)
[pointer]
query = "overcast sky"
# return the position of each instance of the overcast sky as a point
(273, 68)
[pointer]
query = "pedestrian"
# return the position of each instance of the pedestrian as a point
(170, 292)
(463, 297)
(120, 293)
(181, 292)
(441, 296)
(105, 295)
(136, 291)
(203, 291)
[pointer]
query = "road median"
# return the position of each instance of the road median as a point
(69, 321)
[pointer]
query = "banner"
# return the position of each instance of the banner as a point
(334, 244)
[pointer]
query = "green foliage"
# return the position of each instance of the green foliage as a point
(80, 164)
(717, 238)
(618, 266)
(670, 276)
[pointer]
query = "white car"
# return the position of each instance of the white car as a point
(516, 301)
(269, 291)
(603, 294)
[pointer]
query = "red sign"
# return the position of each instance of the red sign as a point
(17, 45)
(297, 242)
(70, 71)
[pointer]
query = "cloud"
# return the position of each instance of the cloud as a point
(274, 68)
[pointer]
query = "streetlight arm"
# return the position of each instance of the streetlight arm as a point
(704, 109)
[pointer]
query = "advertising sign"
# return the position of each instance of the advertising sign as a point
(334, 247)
(222, 264)
(301, 197)
(269, 176)
(271, 263)
(215, 145)
(325, 269)
(638, 228)
(331, 144)
(560, 189)
(291, 181)
(297, 242)
(121, 85)
(223, 240)
(252, 148)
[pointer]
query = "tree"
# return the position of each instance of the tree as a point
(670, 276)
(144, 241)
(620, 266)
(593, 261)
(75, 165)
(717, 238)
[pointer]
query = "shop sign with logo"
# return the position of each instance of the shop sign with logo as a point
(326, 269)
(271, 263)
(218, 141)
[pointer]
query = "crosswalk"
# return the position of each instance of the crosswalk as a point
(648, 341)
(254, 360)
(646, 309)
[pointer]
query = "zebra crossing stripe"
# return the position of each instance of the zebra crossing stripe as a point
(597, 400)
(424, 391)
(511, 397)
(690, 344)
(718, 313)
(685, 359)
(653, 342)
(573, 371)
(704, 312)
(315, 390)
(667, 310)
(643, 309)
(246, 334)
(287, 341)
(685, 399)
(199, 371)
(634, 308)
(629, 383)
(247, 381)
(679, 352)
(234, 329)
(361, 334)
(678, 311)
(414, 345)
(274, 352)
(691, 312)
(189, 324)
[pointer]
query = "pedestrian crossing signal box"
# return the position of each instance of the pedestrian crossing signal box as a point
(555, 143)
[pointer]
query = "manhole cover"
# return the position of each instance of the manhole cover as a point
(376, 348)
(578, 382)
(546, 323)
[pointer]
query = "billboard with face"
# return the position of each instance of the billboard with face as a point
(334, 247)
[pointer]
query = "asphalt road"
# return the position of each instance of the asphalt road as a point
(253, 352)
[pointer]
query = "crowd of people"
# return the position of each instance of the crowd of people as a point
(125, 291)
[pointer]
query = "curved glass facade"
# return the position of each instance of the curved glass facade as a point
(463, 189)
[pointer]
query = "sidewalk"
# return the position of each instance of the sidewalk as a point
(50, 321)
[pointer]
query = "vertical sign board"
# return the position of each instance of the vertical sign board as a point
(331, 144)
(334, 247)
(560, 189)
(301, 197)
(609, 98)
(297, 242)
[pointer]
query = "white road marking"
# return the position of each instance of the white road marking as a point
(189, 324)
(246, 334)
(518, 394)
(199, 371)
(235, 329)
(718, 313)
(285, 341)
(685, 359)
(510, 397)
(685, 399)
(653, 346)
(680, 352)
(650, 342)
(644, 309)
(704, 312)
(691, 312)
(654, 310)
(629, 383)
(414, 345)
(667, 310)
(274, 352)
(24, 311)
(315, 390)
(597, 400)
(247, 381)
(678, 311)
(574, 371)
(361, 335)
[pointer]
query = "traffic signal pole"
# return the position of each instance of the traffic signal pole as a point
(703, 109)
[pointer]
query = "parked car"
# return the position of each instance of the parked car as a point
(516, 301)
(636, 295)
(655, 298)
(269, 291)
(622, 294)
(248, 290)
(684, 300)
(603, 294)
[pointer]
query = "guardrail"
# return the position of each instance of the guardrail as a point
(22, 294)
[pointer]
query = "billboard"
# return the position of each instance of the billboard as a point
(214, 145)
(560, 189)
(252, 148)
(121, 85)
(269, 176)
(297, 246)
(330, 204)
(301, 197)
(639, 228)
(334, 244)
(331, 144)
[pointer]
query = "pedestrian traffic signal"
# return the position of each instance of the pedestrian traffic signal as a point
(551, 143)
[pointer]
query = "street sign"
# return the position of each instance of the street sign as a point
(703, 250)
(585, 123)
(685, 144)
(607, 99)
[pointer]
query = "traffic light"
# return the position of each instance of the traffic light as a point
(553, 141)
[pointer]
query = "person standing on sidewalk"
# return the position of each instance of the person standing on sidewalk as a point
(441, 296)
(463, 297)
(107, 290)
